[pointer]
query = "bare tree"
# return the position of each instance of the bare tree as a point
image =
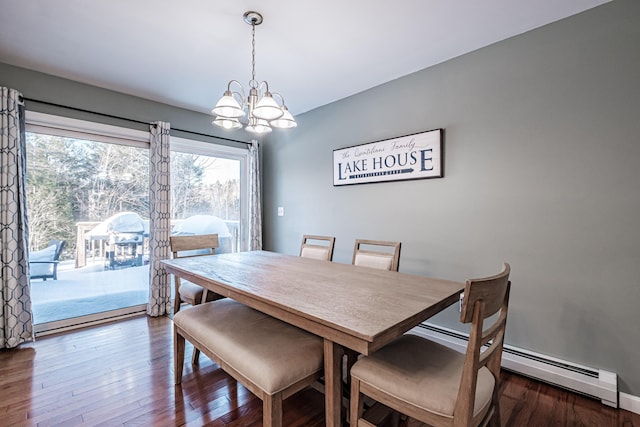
(71, 180)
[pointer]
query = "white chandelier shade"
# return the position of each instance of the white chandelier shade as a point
(286, 121)
(261, 108)
(228, 107)
(267, 108)
(258, 126)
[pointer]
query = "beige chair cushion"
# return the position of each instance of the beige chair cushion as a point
(271, 353)
(380, 262)
(190, 292)
(423, 373)
(314, 252)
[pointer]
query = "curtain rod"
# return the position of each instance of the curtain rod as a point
(111, 116)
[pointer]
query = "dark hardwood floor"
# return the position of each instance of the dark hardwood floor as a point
(121, 374)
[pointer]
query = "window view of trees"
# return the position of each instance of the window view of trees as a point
(71, 180)
(204, 185)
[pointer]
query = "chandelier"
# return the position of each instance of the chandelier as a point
(261, 108)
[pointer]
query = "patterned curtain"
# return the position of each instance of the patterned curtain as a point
(255, 202)
(159, 220)
(16, 319)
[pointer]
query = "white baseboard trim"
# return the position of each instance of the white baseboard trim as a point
(629, 402)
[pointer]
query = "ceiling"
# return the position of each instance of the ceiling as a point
(313, 53)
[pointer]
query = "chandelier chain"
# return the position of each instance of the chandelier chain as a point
(262, 110)
(253, 51)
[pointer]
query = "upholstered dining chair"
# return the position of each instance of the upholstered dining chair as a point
(434, 384)
(187, 292)
(318, 247)
(377, 254)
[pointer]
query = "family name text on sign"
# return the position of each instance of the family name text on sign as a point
(414, 156)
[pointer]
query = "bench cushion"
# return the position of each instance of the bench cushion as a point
(272, 354)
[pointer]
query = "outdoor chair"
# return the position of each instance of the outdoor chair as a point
(43, 264)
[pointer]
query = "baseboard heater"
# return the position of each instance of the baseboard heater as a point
(597, 383)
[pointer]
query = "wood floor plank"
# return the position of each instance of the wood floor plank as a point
(121, 374)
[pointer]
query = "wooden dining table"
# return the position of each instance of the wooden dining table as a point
(352, 307)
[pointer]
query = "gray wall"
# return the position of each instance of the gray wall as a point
(542, 156)
(43, 90)
(541, 147)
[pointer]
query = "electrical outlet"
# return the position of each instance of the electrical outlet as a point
(280, 211)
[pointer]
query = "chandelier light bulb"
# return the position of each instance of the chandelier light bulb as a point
(227, 122)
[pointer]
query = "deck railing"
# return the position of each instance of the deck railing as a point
(94, 247)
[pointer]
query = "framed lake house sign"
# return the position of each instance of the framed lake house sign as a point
(415, 156)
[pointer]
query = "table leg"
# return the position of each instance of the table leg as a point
(332, 383)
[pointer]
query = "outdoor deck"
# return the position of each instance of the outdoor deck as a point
(87, 290)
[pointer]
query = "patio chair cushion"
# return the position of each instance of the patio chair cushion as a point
(46, 254)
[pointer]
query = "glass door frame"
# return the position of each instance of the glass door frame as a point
(81, 129)
(37, 122)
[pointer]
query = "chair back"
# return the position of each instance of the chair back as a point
(193, 245)
(59, 248)
(377, 254)
(321, 247)
(483, 298)
(190, 246)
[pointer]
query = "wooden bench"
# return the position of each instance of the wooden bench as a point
(271, 358)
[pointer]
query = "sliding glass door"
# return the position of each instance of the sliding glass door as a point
(88, 209)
